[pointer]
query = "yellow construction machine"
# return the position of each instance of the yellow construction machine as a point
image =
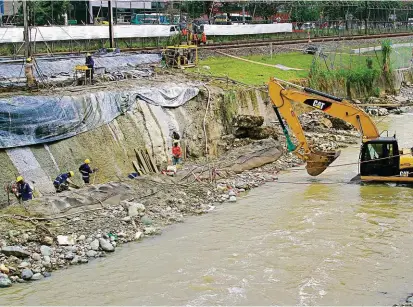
(380, 159)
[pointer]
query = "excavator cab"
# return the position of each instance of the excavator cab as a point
(380, 157)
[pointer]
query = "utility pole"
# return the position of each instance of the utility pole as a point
(26, 34)
(110, 17)
(366, 17)
(243, 14)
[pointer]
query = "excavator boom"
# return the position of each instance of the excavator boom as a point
(282, 97)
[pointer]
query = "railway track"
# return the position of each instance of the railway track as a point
(246, 44)
(260, 43)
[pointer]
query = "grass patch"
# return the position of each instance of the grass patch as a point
(256, 74)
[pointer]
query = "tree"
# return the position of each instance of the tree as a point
(47, 12)
(265, 10)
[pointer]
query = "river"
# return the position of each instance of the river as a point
(301, 241)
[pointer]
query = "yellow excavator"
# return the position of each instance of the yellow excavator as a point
(380, 158)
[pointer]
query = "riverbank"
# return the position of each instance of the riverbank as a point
(44, 235)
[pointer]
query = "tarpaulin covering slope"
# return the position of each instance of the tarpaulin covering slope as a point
(50, 68)
(28, 120)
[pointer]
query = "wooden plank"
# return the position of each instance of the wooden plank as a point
(138, 164)
(137, 168)
(142, 161)
(155, 168)
(148, 163)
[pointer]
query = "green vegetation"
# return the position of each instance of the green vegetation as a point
(341, 73)
(256, 74)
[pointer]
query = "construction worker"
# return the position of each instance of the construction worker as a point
(28, 71)
(204, 38)
(91, 65)
(85, 170)
(61, 183)
(176, 153)
(24, 191)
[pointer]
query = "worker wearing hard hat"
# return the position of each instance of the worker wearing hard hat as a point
(28, 71)
(91, 65)
(85, 170)
(24, 191)
(61, 183)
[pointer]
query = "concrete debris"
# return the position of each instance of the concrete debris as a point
(66, 240)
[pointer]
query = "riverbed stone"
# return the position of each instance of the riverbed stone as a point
(27, 274)
(91, 253)
(4, 269)
(232, 199)
(4, 281)
(46, 250)
(16, 251)
(81, 238)
(146, 220)
(24, 265)
(46, 274)
(47, 240)
(150, 230)
(138, 235)
(69, 256)
(66, 240)
(135, 208)
(36, 257)
(106, 246)
(126, 219)
(75, 260)
(94, 245)
(37, 276)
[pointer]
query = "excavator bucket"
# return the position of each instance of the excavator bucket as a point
(318, 161)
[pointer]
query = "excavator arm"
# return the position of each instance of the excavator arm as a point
(282, 97)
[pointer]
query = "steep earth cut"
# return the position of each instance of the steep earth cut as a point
(112, 147)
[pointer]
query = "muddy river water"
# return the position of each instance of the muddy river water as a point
(300, 241)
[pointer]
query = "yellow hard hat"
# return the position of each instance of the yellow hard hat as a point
(71, 174)
(20, 178)
(88, 54)
(87, 161)
(28, 59)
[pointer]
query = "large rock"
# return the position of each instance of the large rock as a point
(254, 155)
(27, 274)
(248, 121)
(4, 281)
(16, 251)
(46, 250)
(340, 124)
(94, 245)
(106, 246)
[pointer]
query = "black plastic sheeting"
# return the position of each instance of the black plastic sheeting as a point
(49, 68)
(28, 120)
